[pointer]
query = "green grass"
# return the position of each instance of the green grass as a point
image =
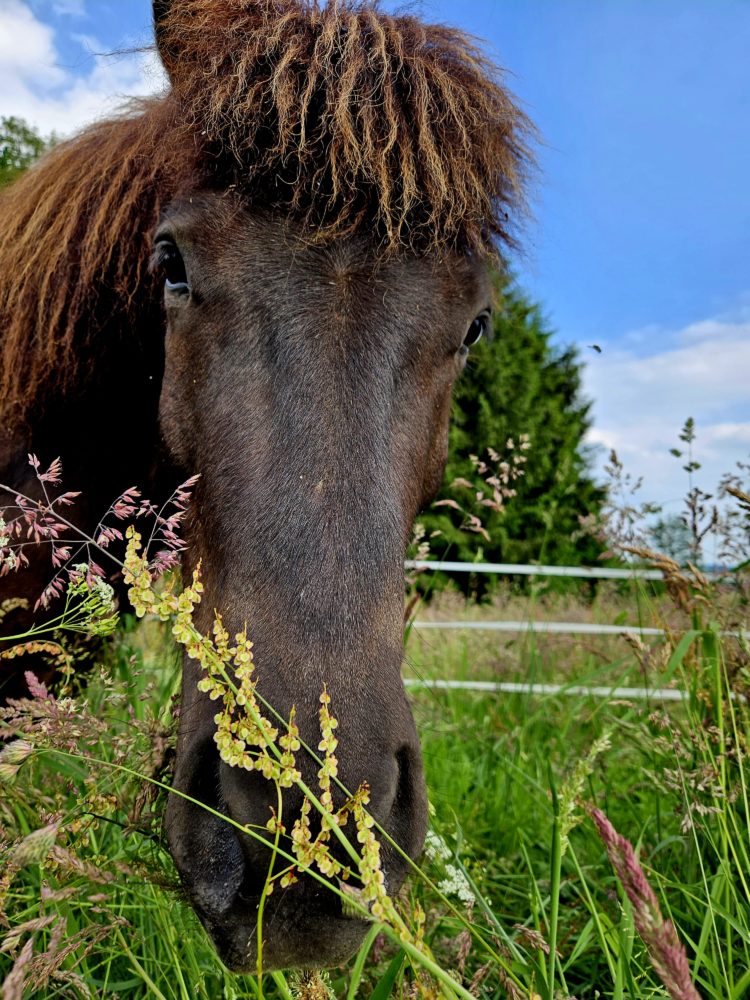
(673, 781)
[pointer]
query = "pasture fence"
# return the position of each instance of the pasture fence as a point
(539, 627)
(557, 628)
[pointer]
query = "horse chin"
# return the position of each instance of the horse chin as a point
(301, 928)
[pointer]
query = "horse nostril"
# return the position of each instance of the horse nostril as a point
(205, 847)
(407, 821)
(403, 762)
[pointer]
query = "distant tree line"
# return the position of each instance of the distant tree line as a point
(20, 146)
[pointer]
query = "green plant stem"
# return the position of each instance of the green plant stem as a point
(53, 625)
(712, 651)
(281, 985)
(359, 964)
(266, 889)
(595, 916)
(429, 964)
(555, 870)
(170, 934)
(138, 967)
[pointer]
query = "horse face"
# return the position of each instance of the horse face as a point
(310, 387)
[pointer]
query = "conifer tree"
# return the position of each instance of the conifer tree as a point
(518, 383)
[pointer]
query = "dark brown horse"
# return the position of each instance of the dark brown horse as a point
(271, 276)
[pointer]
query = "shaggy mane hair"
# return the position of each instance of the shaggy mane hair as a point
(341, 116)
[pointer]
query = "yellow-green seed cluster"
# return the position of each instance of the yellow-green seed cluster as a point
(247, 739)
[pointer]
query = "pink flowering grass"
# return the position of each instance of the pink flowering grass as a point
(36, 523)
(665, 950)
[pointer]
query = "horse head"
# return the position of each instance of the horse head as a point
(311, 387)
(326, 188)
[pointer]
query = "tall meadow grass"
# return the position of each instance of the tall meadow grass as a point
(579, 847)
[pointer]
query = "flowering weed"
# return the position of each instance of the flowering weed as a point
(522, 904)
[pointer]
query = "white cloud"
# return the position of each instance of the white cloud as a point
(730, 432)
(27, 49)
(641, 400)
(37, 85)
(72, 8)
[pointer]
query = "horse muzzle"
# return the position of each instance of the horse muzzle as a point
(216, 826)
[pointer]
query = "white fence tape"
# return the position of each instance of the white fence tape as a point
(511, 687)
(559, 628)
(555, 628)
(517, 569)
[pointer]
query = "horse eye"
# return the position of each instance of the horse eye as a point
(173, 268)
(477, 329)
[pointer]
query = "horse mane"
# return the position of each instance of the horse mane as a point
(342, 116)
(351, 117)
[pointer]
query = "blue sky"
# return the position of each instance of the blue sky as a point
(640, 240)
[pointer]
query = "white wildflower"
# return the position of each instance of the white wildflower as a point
(456, 884)
(435, 847)
(105, 593)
